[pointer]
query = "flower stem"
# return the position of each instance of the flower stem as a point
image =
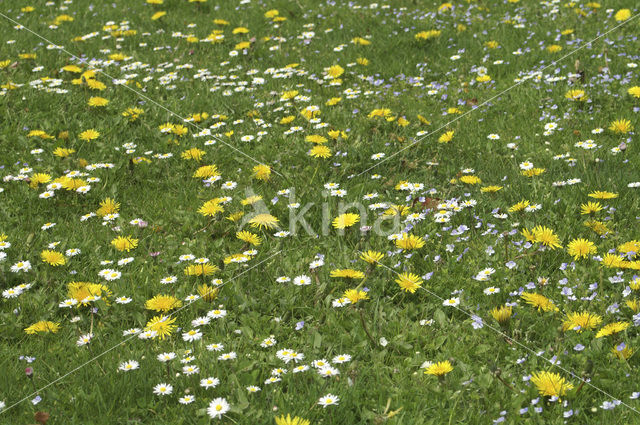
(364, 326)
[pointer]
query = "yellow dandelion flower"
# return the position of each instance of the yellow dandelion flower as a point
(409, 282)
(439, 369)
(539, 301)
(371, 257)
(39, 133)
(630, 247)
(90, 134)
(271, 13)
(108, 206)
(163, 303)
(211, 208)
(546, 237)
(355, 295)
(95, 84)
(345, 220)
(179, 130)
(612, 260)
(82, 290)
(235, 216)
(576, 94)
(287, 119)
(53, 258)
(347, 273)
(581, 248)
(490, 189)
(264, 220)
(634, 91)
(162, 325)
(288, 420)
(399, 210)
(63, 153)
(581, 321)
(550, 384)
(622, 352)
(426, 35)
(43, 327)
(166, 127)
(316, 138)
(491, 44)
(333, 101)
(262, 172)
(409, 242)
(206, 171)
(205, 269)
(193, 153)
(382, 113)
(590, 208)
(72, 68)
(612, 328)
(599, 194)
(251, 200)
(71, 184)
(445, 7)
(469, 179)
(132, 113)
(402, 122)
(502, 314)
(360, 41)
(320, 151)
(97, 102)
(158, 15)
(621, 126)
(633, 304)
(533, 172)
(124, 243)
(597, 226)
(335, 71)
(38, 179)
(207, 293)
(446, 137)
(249, 237)
(117, 57)
(622, 15)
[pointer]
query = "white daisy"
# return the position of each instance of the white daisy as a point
(209, 382)
(328, 400)
(452, 302)
(192, 335)
(218, 407)
(302, 280)
(129, 365)
(163, 389)
(165, 357)
(187, 399)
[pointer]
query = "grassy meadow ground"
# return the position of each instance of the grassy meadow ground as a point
(399, 212)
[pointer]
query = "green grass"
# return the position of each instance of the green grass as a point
(383, 383)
